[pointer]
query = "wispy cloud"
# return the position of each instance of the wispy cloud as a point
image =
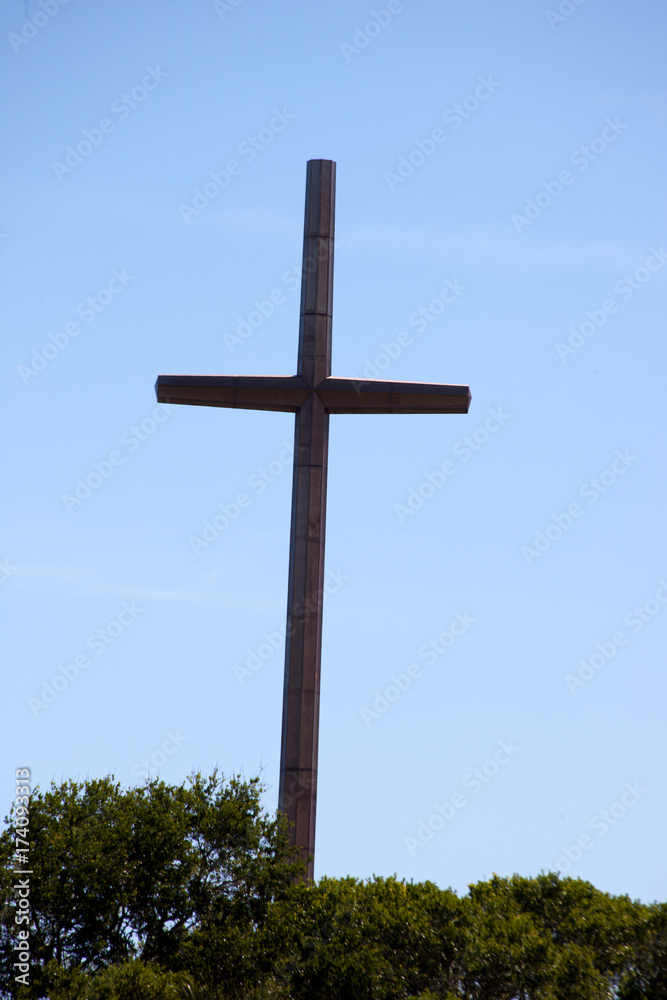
(85, 580)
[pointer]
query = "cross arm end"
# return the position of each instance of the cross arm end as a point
(348, 395)
(245, 392)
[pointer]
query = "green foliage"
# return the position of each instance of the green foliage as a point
(132, 980)
(191, 893)
(544, 938)
(548, 938)
(149, 873)
(381, 939)
(647, 976)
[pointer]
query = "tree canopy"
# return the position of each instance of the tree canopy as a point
(148, 873)
(192, 893)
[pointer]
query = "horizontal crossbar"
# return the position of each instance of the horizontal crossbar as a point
(289, 393)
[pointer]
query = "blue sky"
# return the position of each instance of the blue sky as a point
(494, 639)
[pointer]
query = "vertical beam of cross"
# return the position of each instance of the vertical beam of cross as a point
(312, 394)
(301, 696)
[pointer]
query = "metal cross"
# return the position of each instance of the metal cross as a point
(312, 394)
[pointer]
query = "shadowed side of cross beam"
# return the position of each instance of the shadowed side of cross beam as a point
(243, 392)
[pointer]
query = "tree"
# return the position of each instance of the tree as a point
(382, 939)
(542, 938)
(192, 893)
(159, 873)
(646, 974)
